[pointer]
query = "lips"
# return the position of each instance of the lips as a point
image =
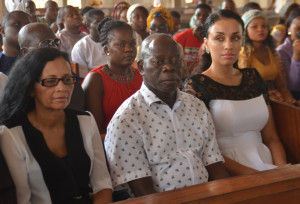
(228, 55)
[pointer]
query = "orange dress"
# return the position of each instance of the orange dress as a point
(116, 92)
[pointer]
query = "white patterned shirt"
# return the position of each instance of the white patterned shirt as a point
(147, 138)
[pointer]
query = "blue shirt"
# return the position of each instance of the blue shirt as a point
(6, 63)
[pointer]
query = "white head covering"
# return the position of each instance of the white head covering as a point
(130, 10)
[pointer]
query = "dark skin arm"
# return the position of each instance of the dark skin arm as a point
(93, 89)
(142, 186)
(216, 171)
(104, 196)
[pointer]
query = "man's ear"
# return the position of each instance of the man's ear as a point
(140, 64)
(2, 31)
(23, 51)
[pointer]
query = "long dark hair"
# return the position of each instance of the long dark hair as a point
(205, 60)
(292, 16)
(24, 74)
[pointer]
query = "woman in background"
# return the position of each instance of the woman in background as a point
(258, 51)
(289, 53)
(108, 86)
(120, 11)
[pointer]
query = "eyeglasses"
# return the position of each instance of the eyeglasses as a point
(50, 43)
(67, 80)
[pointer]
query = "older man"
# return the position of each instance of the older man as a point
(40, 35)
(160, 138)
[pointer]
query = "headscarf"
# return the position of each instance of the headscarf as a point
(130, 11)
(118, 8)
(251, 14)
(160, 12)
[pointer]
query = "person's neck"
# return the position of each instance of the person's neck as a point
(257, 45)
(95, 38)
(222, 70)
(197, 33)
(49, 20)
(167, 98)
(143, 33)
(118, 70)
(11, 51)
(74, 30)
(47, 118)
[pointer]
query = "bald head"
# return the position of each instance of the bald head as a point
(31, 34)
(157, 41)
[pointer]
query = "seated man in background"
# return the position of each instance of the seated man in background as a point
(160, 138)
(36, 35)
(88, 52)
(50, 13)
(191, 39)
(10, 26)
(71, 34)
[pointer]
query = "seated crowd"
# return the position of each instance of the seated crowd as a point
(150, 108)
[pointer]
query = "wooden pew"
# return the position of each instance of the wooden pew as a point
(281, 185)
(287, 121)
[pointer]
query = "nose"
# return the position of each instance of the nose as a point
(228, 44)
(168, 67)
(128, 47)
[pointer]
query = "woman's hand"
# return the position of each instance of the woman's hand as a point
(296, 50)
(275, 95)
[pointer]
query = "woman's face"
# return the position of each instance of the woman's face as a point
(55, 97)
(258, 29)
(123, 15)
(295, 28)
(121, 48)
(224, 41)
(139, 19)
(159, 25)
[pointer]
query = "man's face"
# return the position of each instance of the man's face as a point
(29, 8)
(93, 24)
(71, 18)
(51, 12)
(13, 25)
(201, 15)
(162, 67)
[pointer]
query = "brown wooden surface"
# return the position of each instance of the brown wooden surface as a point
(287, 120)
(281, 185)
(75, 68)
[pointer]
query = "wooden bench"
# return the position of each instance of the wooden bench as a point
(287, 121)
(281, 185)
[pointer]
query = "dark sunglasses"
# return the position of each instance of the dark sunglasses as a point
(50, 43)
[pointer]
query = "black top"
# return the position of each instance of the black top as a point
(206, 89)
(65, 177)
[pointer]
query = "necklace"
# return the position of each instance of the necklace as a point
(126, 79)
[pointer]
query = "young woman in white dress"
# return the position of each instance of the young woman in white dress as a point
(237, 99)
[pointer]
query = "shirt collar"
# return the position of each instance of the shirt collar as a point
(151, 98)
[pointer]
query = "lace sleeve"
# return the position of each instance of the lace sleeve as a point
(193, 86)
(263, 87)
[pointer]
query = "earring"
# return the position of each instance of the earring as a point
(207, 51)
(107, 54)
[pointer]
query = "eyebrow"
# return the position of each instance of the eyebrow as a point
(224, 33)
(54, 76)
